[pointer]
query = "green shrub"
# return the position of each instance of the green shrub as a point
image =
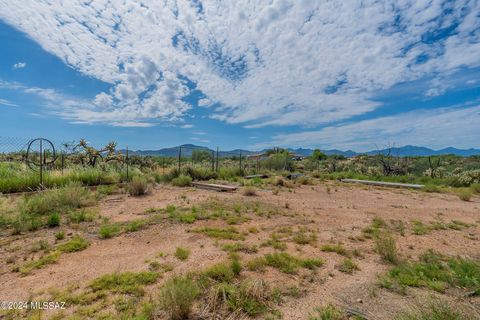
(337, 248)
(47, 259)
(182, 181)
(221, 272)
(235, 264)
(139, 186)
(108, 231)
(177, 296)
(436, 272)
(200, 173)
(60, 235)
(348, 266)
(126, 282)
(465, 194)
(386, 247)
(251, 296)
(221, 233)
(77, 243)
(82, 215)
(475, 187)
(419, 228)
(53, 220)
(304, 180)
(72, 196)
(283, 262)
(182, 253)
(135, 225)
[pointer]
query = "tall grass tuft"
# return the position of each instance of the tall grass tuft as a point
(177, 296)
(139, 186)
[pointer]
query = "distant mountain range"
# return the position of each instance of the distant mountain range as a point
(404, 151)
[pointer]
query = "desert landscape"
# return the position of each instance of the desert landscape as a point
(240, 160)
(285, 250)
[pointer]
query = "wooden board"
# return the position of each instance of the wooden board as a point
(385, 184)
(216, 187)
(261, 176)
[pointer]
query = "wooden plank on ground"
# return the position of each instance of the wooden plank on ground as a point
(215, 187)
(385, 184)
(261, 176)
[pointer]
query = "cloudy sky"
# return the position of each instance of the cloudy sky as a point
(331, 74)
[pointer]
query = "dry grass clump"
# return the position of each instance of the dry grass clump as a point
(304, 180)
(182, 253)
(386, 247)
(465, 194)
(249, 191)
(182, 181)
(177, 296)
(139, 186)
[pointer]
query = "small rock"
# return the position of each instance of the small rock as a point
(359, 300)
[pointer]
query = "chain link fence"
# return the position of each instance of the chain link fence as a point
(44, 162)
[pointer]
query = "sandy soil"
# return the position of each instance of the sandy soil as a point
(336, 212)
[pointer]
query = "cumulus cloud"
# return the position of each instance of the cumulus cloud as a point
(439, 128)
(19, 65)
(258, 63)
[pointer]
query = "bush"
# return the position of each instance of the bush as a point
(53, 220)
(249, 191)
(72, 196)
(436, 272)
(348, 266)
(475, 188)
(76, 244)
(182, 181)
(465, 194)
(177, 296)
(125, 282)
(139, 186)
(386, 248)
(108, 231)
(304, 180)
(182, 253)
(60, 235)
(200, 173)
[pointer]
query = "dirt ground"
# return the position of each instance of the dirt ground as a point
(336, 212)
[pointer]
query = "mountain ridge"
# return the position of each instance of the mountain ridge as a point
(404, 151)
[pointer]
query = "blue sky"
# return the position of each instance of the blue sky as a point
(251, 75)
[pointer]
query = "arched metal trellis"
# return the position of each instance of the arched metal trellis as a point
(40, 155)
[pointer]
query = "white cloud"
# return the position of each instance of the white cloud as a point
(7, 103)
(186, 126)
(438, 128)
(260, 62)
(19, 65)
(200, 139)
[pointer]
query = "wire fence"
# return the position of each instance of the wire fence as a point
(39, 156)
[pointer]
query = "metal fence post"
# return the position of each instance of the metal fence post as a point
(217, 161)
(63, 161)
(213, 160)
(126, 159)
(240, 161)
(179, 159)
(41, 163)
